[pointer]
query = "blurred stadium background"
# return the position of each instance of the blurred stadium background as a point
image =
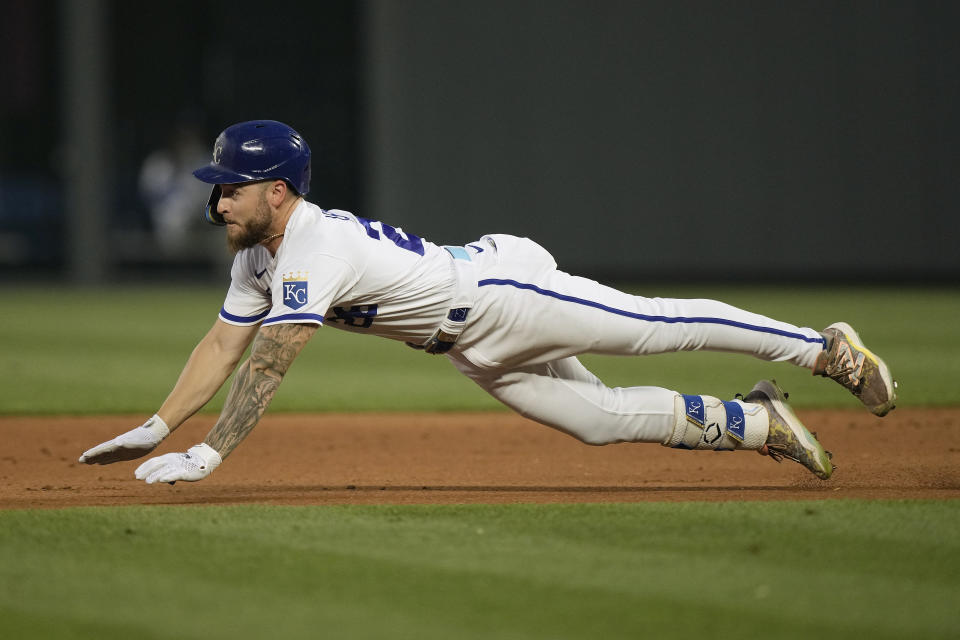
(637, 140)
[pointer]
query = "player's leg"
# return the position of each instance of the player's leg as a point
(566, 396)
(563, 315)
(527, 312)
(668, 324)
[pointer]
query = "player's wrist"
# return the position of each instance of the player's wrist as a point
(209, 456)
(157, 427)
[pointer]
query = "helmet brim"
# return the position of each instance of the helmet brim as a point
(216, 174)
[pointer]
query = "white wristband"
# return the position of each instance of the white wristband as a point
(211, 459)
(157, 427)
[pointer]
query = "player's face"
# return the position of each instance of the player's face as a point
(247, 213)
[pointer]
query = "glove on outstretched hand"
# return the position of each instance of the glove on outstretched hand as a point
(132, 444)
(196, 464)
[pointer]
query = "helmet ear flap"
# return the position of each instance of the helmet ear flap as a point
(210, 211)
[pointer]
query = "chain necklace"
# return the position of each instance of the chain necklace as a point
(269, 238)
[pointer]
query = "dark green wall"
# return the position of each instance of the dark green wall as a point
(634, 139)
(652, 139)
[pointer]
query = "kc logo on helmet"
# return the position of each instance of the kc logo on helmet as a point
(295, 289)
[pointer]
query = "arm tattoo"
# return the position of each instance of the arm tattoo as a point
(256, 382)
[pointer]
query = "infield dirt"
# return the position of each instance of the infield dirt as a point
(474, 458)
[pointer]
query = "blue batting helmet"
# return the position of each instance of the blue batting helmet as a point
(253, 151)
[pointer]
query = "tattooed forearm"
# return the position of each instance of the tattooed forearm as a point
(256, 382)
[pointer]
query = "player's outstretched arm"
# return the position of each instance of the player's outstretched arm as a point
(256, 382)
(209, 366)
(254, 385)
(205, 372)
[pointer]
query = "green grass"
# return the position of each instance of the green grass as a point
(120, 350)
(828, 569)
(831, 569)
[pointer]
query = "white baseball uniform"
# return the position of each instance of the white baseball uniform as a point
(527, 320)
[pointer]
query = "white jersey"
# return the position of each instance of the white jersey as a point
(352, 273)
(527, 323)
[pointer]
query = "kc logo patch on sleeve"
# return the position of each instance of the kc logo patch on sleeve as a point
(295, 289)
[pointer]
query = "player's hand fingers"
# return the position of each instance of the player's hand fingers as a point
(170, 470)
(94, 454)
(163, 474)
(130, 445)
(149, 467)
(110, 452)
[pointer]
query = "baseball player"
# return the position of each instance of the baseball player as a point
(498, 308)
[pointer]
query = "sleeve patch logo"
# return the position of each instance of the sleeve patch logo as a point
(295, 289)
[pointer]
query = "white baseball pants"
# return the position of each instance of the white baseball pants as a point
(530, 321)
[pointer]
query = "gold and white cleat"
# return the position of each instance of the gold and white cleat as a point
(857, 369)
(788, 438)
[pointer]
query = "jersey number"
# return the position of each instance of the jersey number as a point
(407, 241)
(358, 316)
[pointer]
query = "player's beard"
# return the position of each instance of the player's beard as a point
(253, 232)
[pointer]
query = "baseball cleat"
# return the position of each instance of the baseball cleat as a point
(857, 369)
(787, 437)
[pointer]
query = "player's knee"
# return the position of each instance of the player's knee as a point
(595, 439)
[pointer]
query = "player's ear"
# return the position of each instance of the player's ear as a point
(277, 192)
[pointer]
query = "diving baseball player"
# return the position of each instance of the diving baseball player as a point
(498, 308)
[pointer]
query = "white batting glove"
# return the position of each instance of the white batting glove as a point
(132, 444)
(196, 464)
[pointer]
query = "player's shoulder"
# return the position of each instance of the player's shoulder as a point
(313, 226)
(307, 214)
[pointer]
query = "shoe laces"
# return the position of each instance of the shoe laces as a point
(845, 367)
(778, 452)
